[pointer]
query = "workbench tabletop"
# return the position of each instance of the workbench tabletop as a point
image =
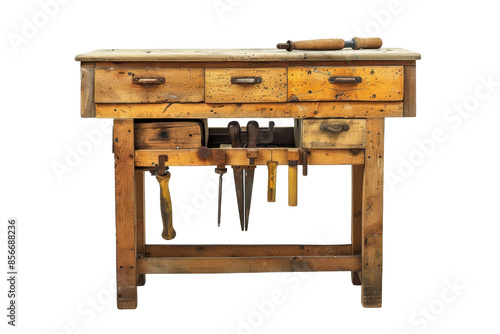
(252, 55)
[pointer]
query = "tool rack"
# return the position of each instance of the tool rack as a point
(338, 121)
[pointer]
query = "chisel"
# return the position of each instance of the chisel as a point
(221, 170)
(252, 133)
(293, 159)
(234, 131)
(272, 167)
(332, 44)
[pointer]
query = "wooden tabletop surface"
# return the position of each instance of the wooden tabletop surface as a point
(256, 55)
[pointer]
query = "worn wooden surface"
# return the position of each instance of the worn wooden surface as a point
(372, 207)
(140, 211)
(168, 135)
(247, 64)
(219, 88)
(115, 85)
(183, 265)
(245, 250)
(356, 214)
(410, 100)
(238, 157)
(313, 137)
(87, 103)
(126, 235)
(252, 110)
(379, 83)
(250, 55)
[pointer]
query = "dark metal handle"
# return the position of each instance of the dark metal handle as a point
(334, 128)
(344, 80)
(246, 80)
(145, 81)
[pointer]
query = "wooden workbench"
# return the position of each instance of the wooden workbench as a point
(142, 88)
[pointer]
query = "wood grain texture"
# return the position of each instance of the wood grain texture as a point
(410, 98)
(115, 85)
(87, 104)
(238, 157)
(168, 232)
(140, 211)
(356, 214)
(126, 235)
(183, 265)
(272, 168)
(379, 83)
(245, 250)
(219, 88)
(243, 64)
(314, 137)
(372, 208)
(168, 135)
(236, 55)
(252, 110)
(292, 185)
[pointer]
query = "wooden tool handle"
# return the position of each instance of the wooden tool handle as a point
(252, 133)
(292, 185)
(367, 43)
(318, 44)
(272, 166)
(234, 130)
(166, 207)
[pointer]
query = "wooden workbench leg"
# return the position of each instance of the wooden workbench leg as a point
(356, 216)
(141, 223)
(372, 208)
(126, 235)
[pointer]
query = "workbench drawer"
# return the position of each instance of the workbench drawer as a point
(153, 85)
(169, 134)
(355, 83)
(243, 85)
(332, 133)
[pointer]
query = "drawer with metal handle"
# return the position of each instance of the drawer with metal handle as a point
(245, 85)
(332, 133)
(355, 83)
(153, 85)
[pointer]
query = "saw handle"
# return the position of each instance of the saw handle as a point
(166, 207)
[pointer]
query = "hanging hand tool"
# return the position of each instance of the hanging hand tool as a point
(221, 170)
(163, 178)
(252, 133)
(293, 160)
(234, 132)
(332, 44)
(272, 167)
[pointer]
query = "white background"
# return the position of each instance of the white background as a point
(440, 223)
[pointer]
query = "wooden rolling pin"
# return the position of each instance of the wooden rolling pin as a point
(332, 44)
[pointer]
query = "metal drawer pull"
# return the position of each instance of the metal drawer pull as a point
(246, 80)
(147, 81)
(334, 128)
(344, 80)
